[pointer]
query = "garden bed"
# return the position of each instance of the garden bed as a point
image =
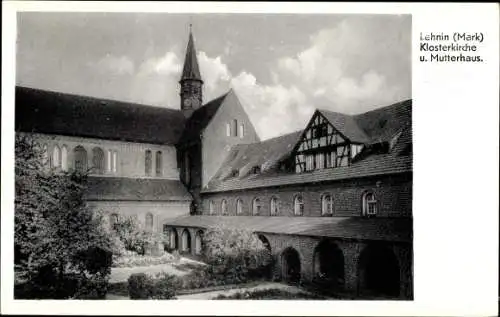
(132, 260)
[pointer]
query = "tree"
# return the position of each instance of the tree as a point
(133, 236)
(56, 234)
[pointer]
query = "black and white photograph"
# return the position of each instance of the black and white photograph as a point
(213, 156)
(222, 157)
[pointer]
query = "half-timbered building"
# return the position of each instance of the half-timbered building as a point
(333, 202)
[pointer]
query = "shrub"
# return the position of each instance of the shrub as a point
(164, 287)
(139, 286)
(142, 286)
(235, 254)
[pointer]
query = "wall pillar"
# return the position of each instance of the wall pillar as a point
(351, 251)
(404, 254)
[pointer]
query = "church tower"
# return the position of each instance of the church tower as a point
(191, 82)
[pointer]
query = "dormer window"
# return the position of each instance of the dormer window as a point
(235, 173)
(256, 169)
(369, 204)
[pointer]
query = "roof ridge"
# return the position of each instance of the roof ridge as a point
(125, 103)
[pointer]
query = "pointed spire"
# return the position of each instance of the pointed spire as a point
(191, 69)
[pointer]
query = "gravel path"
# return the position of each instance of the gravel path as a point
(270, 285)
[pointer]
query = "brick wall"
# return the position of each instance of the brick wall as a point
(216, 143)
(130, 156)
(162, 211)
(393, 193)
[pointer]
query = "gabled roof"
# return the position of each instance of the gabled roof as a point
(398, 159)
(265, 155)
(136, 189)
(383, 123)
(42, 111)
(393, 229)
(375, 126)
(346, 125)
(200, 119)
(191, 69)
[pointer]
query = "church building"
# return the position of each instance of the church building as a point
(332, 202)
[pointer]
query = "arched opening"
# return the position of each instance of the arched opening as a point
(328, 265)
(267, 270)
(186, 241)
(290, 265)
(198, 242)
(298, 205)
(80, 155)
(378, 272)
(174, 239)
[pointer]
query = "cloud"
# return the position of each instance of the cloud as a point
(116, 64)
(213, 71)
(166, 65)
(350, 68)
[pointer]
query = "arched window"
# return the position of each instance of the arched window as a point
(109, 161)
(235, 127)
(149, 221)
(45, 155)
(159, 163)
(148, 163)
(242, 130)
(274, 206)
(228, 129)
(223, 207)
(98, 160)
(64, 158)
(80, 155)
(211, 207)
(369, 204)
(239, 207)
(56, 156)
(115, 160)
(256, 207)
(326, 205)
(298, 205)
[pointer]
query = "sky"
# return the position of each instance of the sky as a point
(281, 66)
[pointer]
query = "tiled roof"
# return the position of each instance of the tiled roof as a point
(395, 118)
(120, 188)
(346, 125)
(191, 69)
(199, 120)
(383, 123)
(51, 112)
(372, 165)
(393, 229)
(265, 154)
